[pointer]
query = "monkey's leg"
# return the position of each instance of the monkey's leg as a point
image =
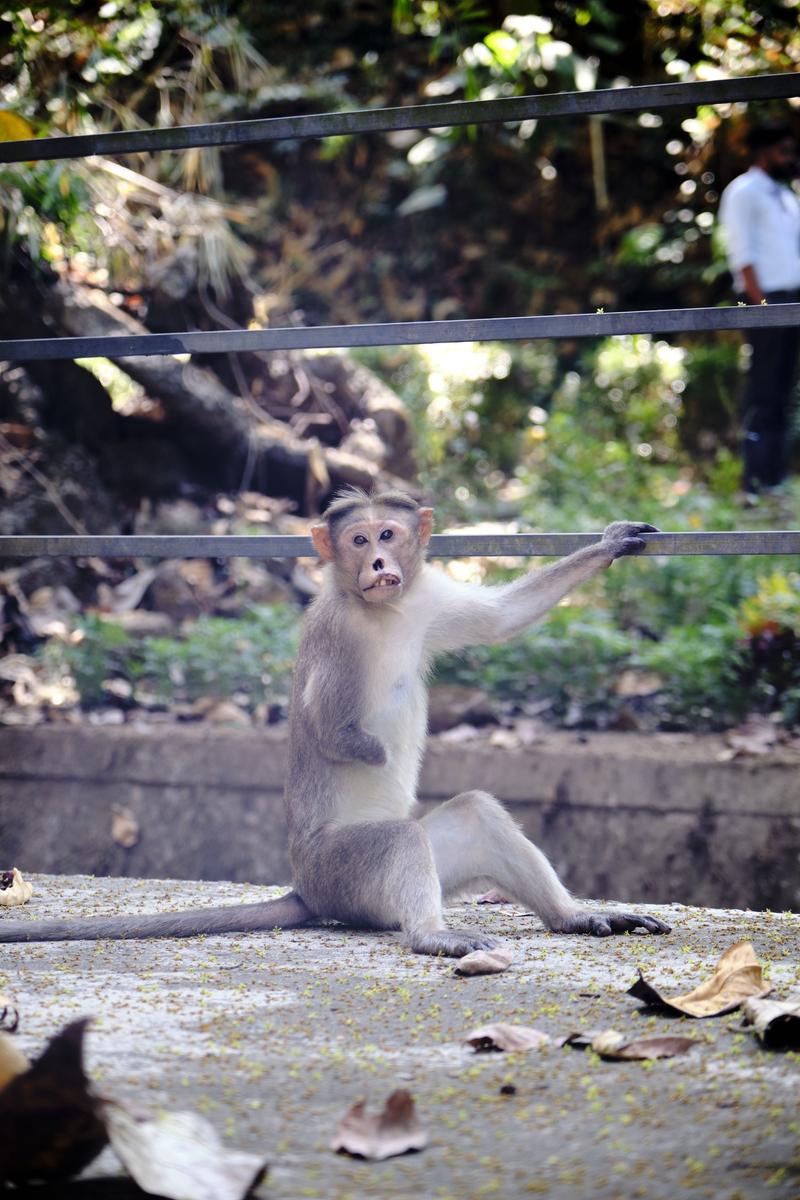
(475, 839)
(382, 874)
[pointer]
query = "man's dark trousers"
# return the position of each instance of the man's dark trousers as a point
(768, 400)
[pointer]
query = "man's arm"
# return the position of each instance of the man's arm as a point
(469, 614)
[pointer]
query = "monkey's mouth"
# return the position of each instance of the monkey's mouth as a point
(384, 581)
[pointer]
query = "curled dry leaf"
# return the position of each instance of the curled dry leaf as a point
(484, 962)
(13, 888)
(776, 1022)
(507, 1037)
(180, 1156)
(493, 897)
(9, 1015)
(611, 1045)
(394, 1131)
(12, 1061)
(738, 975)
(124, 826)
(757, 735)
(49, 1116)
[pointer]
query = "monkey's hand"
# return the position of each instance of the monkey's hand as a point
(604, 924)
(621, 538)
(350, 743)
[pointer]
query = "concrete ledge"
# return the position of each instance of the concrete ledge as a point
(274, 1036)
(657, 818)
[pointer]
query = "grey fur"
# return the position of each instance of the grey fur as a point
(355, 740)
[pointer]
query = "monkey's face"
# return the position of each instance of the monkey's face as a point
(379, 556)
(376, 552)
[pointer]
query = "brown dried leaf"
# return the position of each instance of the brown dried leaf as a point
(776, 1022)
(737, 976)
(612, 1046)
(124, 826)
(13, 888)
(12, 1061)
(484, 962)
(179, 1155)
(493, 897)
(48, 1115)
(394, 1131)
(506, 1037)
(756, 735)
(9, 1015)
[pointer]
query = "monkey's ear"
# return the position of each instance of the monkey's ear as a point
(321, 537)
(425, 525)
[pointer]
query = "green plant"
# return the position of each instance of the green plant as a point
(572, 660)
(215, 657)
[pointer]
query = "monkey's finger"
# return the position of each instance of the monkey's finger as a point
(642, 527)
(624, 922)
(629, 545)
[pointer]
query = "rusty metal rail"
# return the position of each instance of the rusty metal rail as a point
(443, 545)
(599, 324)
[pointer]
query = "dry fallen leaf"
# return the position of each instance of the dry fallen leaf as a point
(9, 1015)
(756, 735)
(179, 1155)
(613, 1046)
(12, 1061)
(737, 976)
(777, 1022)
(506, 1037)
(394, 1131)
(48, 1115)
(493, 897)
(13, 888)
(484, 962)
(124, 826)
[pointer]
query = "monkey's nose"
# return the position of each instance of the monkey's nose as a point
(378, 564)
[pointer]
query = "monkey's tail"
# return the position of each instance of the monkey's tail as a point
(286, 912)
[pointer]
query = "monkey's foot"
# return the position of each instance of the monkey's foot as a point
(604, 924)
(454, 943)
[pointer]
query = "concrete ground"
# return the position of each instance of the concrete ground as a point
(273, 1036)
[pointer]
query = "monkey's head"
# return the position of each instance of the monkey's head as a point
(375, 543)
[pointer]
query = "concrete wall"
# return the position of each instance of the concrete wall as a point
(621, 815)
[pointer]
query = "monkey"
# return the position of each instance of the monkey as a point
(358, 718)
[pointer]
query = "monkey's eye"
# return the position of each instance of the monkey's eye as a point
(359, 540)
(386, 535)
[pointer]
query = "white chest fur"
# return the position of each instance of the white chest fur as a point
(395, 712)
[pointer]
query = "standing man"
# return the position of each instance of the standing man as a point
(760, 215)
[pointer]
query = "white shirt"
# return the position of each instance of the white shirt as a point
(761, 222)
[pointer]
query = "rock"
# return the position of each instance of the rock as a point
(453, 704)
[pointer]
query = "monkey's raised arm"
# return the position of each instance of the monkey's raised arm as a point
(469, 614)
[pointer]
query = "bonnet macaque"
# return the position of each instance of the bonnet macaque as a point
(357, 735)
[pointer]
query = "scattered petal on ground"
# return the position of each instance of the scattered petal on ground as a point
(614, 1046)
(776, 1022)
(13, 888)
(484, 962)
(48, 1115)
(394, 1131)
(507, 1037)
(737, 976)
(180, 1156)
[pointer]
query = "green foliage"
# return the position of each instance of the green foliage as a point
(572, 660)
(215, 657)
(700, 669)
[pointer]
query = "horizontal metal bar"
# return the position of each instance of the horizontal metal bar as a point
(417, 116)
(445, 545)
(405, 333)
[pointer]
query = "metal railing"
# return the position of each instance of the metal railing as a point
(381, 120)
